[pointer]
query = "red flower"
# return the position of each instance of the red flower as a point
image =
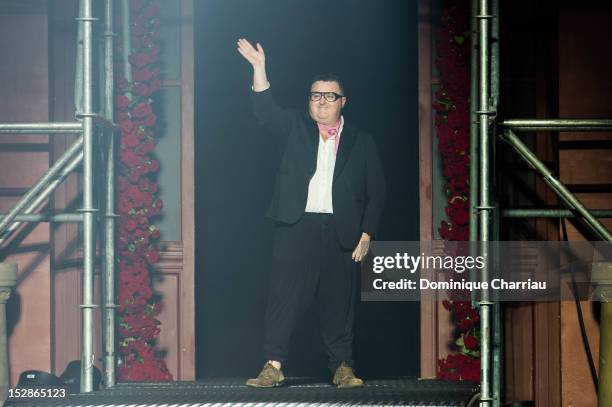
(142, 109)
(151, 10)
(150, 120)
(139, 59)
(142, 75)
(129, 158)
(124, 205)
(138, 29)
(471, 342)
(130, 140)
(152, 256)
(158, 205)
(130, 224)
(148, 146)
(135, 175)
(141, 89)
(459, 367)
(155, 234)
(137, 202)
(146, 198)
(123, 102)
(126, 125)
(154, 166)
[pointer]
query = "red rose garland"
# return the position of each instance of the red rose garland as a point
(137, 200)
(453, 130)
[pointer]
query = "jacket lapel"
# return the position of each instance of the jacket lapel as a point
(313, 132)
(347, 140)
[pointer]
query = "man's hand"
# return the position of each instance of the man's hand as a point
(362, 248)
(257, 59)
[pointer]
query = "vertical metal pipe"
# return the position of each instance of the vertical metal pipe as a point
(108, 267)
(473, 132)
(8, 281)
(87, 356)
(484, 206)
(494, 100)
(126, 37)
(127, 41)
(78, 73)
(494, 93)
(605, 355)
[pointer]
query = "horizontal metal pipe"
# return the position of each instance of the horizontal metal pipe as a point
(44, 217)
(558, 124)
(551, 213)
(41, 128)
(561, 190)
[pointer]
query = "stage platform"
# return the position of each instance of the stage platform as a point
(297, 392)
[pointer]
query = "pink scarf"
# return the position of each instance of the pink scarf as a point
(332, 132)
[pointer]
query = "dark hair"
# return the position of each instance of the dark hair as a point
(327, 77)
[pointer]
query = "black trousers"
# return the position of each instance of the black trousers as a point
(308, 264)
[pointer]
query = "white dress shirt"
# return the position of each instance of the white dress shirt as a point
(320, 186)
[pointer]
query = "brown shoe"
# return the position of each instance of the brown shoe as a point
(345, 378)
(268, 377)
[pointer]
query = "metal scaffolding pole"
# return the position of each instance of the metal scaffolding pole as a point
(108, 259)
(87, 356)
(473, 133)
(496, 338)
(81, 151)
(39, 186)
(576, 208)
(561, 190)
(40, 198)
(40, 128)
(484, 205)
(534, 125)
(127, 40)
(51, 218)
(78, 73)
(552, 213)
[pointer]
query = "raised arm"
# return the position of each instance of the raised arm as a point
(257, 59)
(267, 112)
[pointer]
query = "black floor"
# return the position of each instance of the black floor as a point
(298, 392)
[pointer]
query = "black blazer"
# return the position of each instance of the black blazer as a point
(358, 189)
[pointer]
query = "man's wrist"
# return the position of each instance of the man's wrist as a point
(259, 87)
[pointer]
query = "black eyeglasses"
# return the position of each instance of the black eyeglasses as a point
(329, 96)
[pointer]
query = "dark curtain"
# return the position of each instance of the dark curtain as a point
(373, 47)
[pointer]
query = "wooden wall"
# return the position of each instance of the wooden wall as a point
(37, 44)
(585, 164)
(554, 67)
(24, 96)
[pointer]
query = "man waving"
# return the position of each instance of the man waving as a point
(327, 203)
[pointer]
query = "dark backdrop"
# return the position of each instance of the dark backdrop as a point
(373, 46)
